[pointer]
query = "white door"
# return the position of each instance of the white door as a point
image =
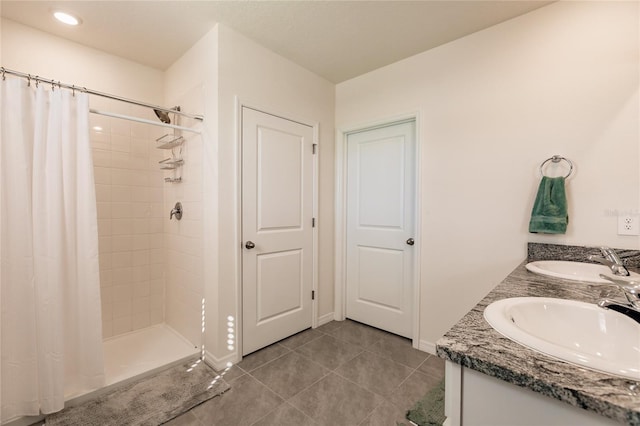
(277, 203)
(380, 227)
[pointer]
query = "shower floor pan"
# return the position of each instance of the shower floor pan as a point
(144, 351)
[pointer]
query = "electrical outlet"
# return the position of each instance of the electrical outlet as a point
(628, 225)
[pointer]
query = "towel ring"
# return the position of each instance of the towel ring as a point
(557, 159)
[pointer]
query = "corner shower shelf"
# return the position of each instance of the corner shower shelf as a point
(169, 141)
(170, 163)
(173, 180)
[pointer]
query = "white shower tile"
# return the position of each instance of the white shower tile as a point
(156, 256)
(121, 325)
(107, 329)
(122, 160)
(121, 143)
(156, 225)
(141, 273)
(121, 193)
(121, 226)
(141, 258)
(156, 179)
(194, 208)
(99, 120)
(104, 227)
(138, 163)
(107, 311)
(101, 158)
(106, 278)
(121, 243)
(122, 308)
(140, 194)
(140, 305)
(120, 127)
(155, 241)
(190, 228)
(141, 289)
(140, 147)
(104, 243)
(140, 226)
(140, 130)
(122, 259)
(121, 176)
(106, 261)
(122, 276)
(102, 175)
(139, 178)
(121, 292)
(103, 210)
(121, 210)
(103, 193)
(157, 210)
(140, 242)
(156, 301)
(140, 320)
(156, 273)
(156, 316)
(106, 294)
(140, 210)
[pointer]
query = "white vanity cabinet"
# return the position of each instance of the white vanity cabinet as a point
(476, 399)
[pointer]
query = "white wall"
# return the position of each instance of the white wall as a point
(191, 82)
(267, 81)
(492, 106)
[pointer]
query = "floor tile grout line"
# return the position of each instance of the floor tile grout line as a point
(339, 365)
(282, 397)
(268, 362)
(373, 392)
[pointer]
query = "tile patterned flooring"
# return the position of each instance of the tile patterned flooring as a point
(342, 373)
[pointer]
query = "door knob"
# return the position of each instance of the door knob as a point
(410, 241)
(249, 245)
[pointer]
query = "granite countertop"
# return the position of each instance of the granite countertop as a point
(473, 343)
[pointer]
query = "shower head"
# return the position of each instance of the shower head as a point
(163, 116)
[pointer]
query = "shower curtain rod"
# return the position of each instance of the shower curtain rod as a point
(54, 83)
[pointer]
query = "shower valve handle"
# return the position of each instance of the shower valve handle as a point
(176, 211)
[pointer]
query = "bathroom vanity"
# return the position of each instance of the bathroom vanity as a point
(492, 380)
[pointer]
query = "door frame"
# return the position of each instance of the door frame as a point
(340, 259)
(239, 105)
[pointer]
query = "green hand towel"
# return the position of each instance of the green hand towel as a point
(549, 214)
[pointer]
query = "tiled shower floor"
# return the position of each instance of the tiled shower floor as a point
(342, 373)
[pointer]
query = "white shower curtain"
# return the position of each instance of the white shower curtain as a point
(51, 333)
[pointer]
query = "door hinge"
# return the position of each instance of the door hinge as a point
(314, 147)
(313, 222)
(313, 295)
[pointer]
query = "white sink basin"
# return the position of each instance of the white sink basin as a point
(576, 332)
(576, 271)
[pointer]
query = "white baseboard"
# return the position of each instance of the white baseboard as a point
(219, 364)
(428, 347)
(324, 319)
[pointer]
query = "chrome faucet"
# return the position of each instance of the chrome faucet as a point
(631, 291)
(612, 260)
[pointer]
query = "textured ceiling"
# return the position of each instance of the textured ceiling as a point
(338, 40)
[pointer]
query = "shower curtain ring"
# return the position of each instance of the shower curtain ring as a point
(4, 77)
(73, 91)
(28, 80)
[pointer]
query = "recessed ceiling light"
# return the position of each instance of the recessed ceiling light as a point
(66, 18)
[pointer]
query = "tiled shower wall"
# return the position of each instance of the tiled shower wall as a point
(129, 193)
